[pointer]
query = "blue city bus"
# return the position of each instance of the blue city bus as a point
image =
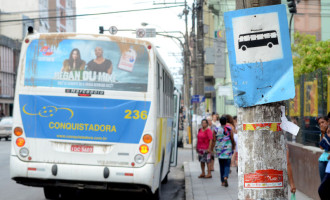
(92, 111)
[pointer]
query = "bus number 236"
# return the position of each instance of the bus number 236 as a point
(136, 114)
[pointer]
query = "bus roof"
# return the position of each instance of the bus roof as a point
(67, 35)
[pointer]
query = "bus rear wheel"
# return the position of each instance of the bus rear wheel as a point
(270, 45)
(51, 193)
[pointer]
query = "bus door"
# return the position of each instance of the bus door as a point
(175, 129)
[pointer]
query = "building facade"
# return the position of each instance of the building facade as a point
(223, 95)
(15, 18)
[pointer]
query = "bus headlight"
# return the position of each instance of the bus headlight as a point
(139, 159)
(24, 152)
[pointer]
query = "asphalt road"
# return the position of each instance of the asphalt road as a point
(10, 190)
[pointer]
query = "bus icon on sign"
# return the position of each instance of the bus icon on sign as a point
(257, 39)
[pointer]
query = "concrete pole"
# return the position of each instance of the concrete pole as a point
(199, 75)
(263, 150)
(187, 75)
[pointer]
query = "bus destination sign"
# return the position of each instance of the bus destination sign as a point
(260, 56)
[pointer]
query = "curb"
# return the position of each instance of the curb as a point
(188, 185)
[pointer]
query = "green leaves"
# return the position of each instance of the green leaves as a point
(309, 55)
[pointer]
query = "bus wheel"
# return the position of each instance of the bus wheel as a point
(51, 193)
(270, 45)
(158, 193)
(165, 179)
(244, 48)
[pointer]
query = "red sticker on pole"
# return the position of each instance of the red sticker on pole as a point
(264, 179)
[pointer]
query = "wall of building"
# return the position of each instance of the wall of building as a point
(304, 162)
(308, 19)
(62, 8)
(9, 56)
(21, 10)
(325, 20)
(224, 104)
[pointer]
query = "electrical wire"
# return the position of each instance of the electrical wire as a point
(91, 14)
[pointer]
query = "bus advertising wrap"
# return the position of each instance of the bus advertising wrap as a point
(88, 64)
(84, 119)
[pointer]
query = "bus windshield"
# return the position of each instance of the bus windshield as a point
(86, 64)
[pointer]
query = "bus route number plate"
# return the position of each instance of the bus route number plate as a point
(82, 148)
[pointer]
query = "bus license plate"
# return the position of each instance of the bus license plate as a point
(82, 148)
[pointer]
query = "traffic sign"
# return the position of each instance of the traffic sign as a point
(140, 33)
(113, 30)
(197, 98)
(145, 32)
(260, 56)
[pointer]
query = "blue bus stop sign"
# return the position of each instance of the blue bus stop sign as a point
(260, 56)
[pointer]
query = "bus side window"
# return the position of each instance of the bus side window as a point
(246, 38)
(253, 37)
(260, 36)
(241, 39)
(273, 35)
(267, 35)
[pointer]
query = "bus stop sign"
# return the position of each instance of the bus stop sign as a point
(260, 56)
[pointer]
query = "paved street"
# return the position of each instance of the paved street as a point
(174, 189)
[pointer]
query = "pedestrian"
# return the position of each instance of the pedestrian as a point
(224, 146)
(324, 191)
(203, 148)
(231, 123)
(323, 159)
(215, 120)
(235, 156)
(213, 128)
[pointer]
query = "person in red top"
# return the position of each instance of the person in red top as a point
(204, 148)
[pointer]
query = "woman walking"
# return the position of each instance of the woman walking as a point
(204, 148)
(224, 146)
(323, 159)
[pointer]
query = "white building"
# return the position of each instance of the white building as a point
(15, 18)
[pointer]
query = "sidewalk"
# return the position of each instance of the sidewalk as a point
(202, 189)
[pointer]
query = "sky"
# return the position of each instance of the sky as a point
(163, 20)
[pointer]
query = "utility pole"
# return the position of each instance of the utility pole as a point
(199, 71)
(187, 74)
(260, 149)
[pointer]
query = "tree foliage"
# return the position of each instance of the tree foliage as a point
(310, 55)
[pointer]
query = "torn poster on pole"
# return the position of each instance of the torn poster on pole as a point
(260, 56)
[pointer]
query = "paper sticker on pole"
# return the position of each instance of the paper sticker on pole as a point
(271, 126)
(259, 55)
(264, 179)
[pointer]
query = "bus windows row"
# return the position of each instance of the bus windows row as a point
(260, 36)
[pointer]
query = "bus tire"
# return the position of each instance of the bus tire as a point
(244, 48)
(270, 45)
(158, 193)
(165, 180)
(51, 193)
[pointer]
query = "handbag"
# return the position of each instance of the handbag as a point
(293, 196)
